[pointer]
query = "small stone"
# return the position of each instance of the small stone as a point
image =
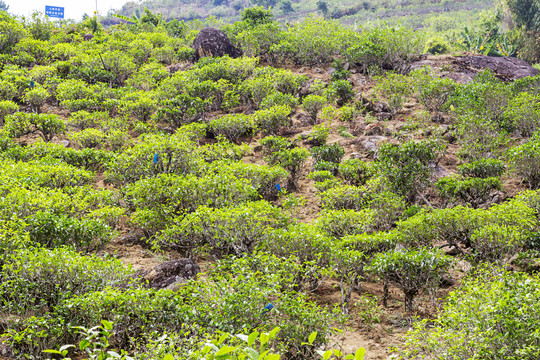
(347, 66)
(64, 143)
(452, 252)
(369, 146)
(373, 129)
(384, 116)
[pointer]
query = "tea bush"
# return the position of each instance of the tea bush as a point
(411, 271)
(7, 107)
(37, 279)
(232, 126)
(46, 125)
(262, 177)
(480, 319)
(174, 155)
(495, 243)
(523, 113)
(406, 166)
(159, 199)
(273, 118)
(395, 89)
(474, 191)
(339, 223)
(484, 168)
(232, 230)
(312, 104)
(355, 171)
(523, 161)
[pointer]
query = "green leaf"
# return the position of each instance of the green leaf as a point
(274, 332)
(84, 344)
(243, 337)
(360, 353)
(50, 351)
(225, 350)
(252, 337)
(168, 357)
(327, 354)
(107, 324)
(312, 337)
(264, 339)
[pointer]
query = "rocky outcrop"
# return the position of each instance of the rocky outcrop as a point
(171, 274)
(463, 69)
(214, 42)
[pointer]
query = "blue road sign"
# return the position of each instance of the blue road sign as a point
(54, 11)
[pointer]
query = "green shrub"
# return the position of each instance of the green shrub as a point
(319, 134)
(355, 171)
(7, 107)
(263, 178)
(411, 271)
(484, 168)
(474, 191)
(141, 108)
(386, 47)
(159, 199)
(321, 175)
(339, 223)
(182, 109)
(51, 174)
(36, 98)
(395, 89)
(53, 230)
(432, 91)
(279, 99)
(279, 153)
(313, 41)
(310, 245)
(325, 185)
(340, 91)
(406, 166)
(88, 138)
(229, 300)
(479, 138)
(480, 318)
(273, 118)
(174, 156)
(524, 161)
(232, 230)
(312, 104)
(46, 125)
(37, 279)
(523, 113)
(328, 153)
(496, 243)
(232, 126)
(436, 46)
(343, 197)
(90, 159)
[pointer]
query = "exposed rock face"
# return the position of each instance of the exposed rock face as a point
(171, 273)
(506, 68)
(214, 42)
(463, 69)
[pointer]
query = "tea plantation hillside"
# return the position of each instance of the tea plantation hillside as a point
(328, 194)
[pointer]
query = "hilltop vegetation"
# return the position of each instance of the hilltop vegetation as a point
(320, 192)
(413, 13)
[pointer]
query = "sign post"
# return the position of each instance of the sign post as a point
(54, 11)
